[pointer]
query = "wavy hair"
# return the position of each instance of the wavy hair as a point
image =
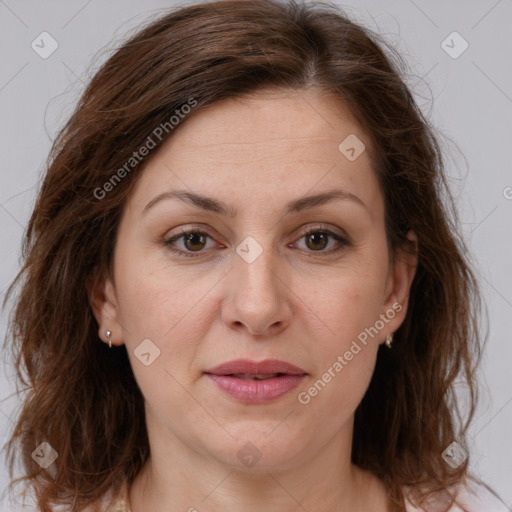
(82, 398)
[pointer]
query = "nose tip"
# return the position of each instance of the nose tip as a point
(257, 301)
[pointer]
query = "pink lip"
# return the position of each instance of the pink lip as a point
(255, 367)
(256, 391)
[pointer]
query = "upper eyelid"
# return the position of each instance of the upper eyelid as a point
(204, 231)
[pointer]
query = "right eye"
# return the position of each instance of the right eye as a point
(194, 240)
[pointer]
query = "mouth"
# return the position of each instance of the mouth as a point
(255, 377)
(245, 368)
(252, 382)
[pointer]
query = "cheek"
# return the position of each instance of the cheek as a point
(346, 357)
(348, 303)
(156, 300)
(347, 351)
(167, 310)
(174, 310)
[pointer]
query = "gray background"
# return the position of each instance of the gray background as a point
(468, 98)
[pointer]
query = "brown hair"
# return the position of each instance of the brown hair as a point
(82, 398)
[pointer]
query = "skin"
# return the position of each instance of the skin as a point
(295, 302)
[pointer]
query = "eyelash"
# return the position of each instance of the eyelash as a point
(316, 230)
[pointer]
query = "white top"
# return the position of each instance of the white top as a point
(470, 498)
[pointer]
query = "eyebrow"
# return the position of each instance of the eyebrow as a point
(221, 208)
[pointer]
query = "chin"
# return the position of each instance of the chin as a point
(259, 452)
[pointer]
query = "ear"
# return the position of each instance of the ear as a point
(398, 286)
(103, 301)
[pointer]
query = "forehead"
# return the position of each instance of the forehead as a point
(262, 142)
(271, 118)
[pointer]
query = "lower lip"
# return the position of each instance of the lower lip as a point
(251, 391)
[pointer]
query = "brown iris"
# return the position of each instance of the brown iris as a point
(191, 240)
(320, 238)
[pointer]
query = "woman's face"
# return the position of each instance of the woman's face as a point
(252, 284)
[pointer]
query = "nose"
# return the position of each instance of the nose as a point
(258, 298)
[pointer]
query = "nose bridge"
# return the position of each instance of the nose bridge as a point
(257, 298)
(257, 264)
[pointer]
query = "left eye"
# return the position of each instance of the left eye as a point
(317, 240)
(194, 241)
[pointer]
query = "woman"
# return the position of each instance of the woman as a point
(241, 287)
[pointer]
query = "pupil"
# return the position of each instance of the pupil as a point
(323, 238)
(191, 237)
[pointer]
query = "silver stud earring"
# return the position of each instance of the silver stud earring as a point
(389, 340)
(108, 334)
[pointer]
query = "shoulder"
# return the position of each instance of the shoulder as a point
(469, 497)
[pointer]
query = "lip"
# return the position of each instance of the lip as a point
(267, 366)
(251, 391)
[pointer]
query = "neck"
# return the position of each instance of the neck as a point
(176, 477)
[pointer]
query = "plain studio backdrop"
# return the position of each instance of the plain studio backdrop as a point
(460, 73)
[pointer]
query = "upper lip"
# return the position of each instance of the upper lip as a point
(246, 366)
